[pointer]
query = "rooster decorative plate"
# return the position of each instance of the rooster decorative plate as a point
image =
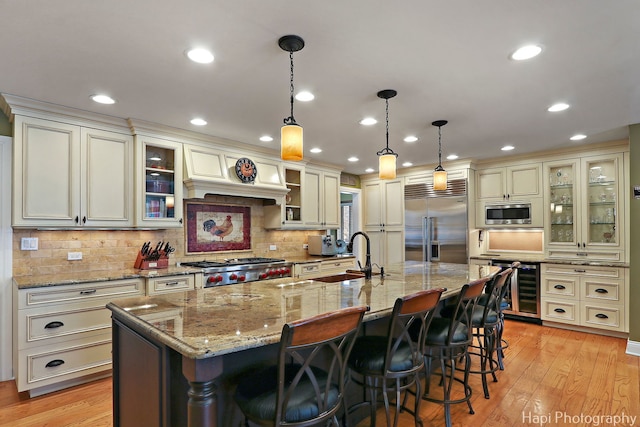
(246, 170)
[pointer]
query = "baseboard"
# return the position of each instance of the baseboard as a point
(633, 348)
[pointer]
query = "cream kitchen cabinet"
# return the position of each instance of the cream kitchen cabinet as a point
(62, 334)
(289, 214)
(585, 215)
(159, 186)
(384, 220)
(520, 182)
(68, 175)
(178, 283)
(321, 199)
(584, 295)
(320, 268)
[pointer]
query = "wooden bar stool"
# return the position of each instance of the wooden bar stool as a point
(392, 363)
(297, 391)
(447, 341)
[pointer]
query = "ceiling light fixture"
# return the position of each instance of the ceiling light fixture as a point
(316, 150)
(368, 121)
(452, 157)
(103, 99)
(353, 159)
(291, 147)
(387, 157)
(266, 138)
(439, 174)
(198, 121)
(526, 52)
(560, 106)
(305, 96)
(201, 56)
(578, 137)
(411, 138)
(507, 148)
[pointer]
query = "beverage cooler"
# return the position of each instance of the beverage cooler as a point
(523, 294)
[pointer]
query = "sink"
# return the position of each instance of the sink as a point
(339, 277)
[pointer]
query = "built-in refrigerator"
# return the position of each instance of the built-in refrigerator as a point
(436, 223)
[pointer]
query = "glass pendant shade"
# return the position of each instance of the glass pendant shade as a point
(440, 180)
(387, 166)
(291, 147)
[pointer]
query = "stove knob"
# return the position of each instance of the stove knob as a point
(287, 270)
(241, 278)
(272, 273)
(233, 276)
(263, 275)
(218, 278)
(281, 271)
(211, 279)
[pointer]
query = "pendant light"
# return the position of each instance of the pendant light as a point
(387, 157)
(291, 133)
(439, 175)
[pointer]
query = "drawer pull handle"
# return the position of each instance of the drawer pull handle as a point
(54, 363)
(579, 270)
(172, 283)
(601, 291)
(559, 287)
(602, 316)
(53, 325)
(88, 292)
(559, 310)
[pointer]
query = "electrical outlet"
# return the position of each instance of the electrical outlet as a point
(74, 256)
(272, 247)
(29, 244)
(305, 246)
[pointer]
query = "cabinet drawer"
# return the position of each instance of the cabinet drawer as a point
(562, 286)
(603, 317)
(582, 270)
(160, 285)
(560, 311)
(599, 291)
(36, 326)
(47, 367)
(305, 270)
(79, 292)
(337, 266)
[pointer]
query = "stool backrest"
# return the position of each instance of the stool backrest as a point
(410, 313)
(324, 340)
(498, 291)
(464, 307)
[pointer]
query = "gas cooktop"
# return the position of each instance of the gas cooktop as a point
(231, 262)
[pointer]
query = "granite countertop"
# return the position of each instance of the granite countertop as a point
(71, 278)
(318, 258)
(220, 320)
(541, 258)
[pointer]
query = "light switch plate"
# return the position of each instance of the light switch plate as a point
(74, 256)
(272, 247)
(29, 244)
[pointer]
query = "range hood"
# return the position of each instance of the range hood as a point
(208, 171)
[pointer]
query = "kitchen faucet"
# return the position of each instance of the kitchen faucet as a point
(367, 265)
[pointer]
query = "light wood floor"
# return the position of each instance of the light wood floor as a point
(548, 371)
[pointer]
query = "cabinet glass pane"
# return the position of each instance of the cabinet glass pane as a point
(602, 203)
(293, 199)
(562, 204)
(159, 182)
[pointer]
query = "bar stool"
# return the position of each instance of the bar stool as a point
(296, 391)
(447, 341)
(484, 321)
(504, 304)
(392, 363)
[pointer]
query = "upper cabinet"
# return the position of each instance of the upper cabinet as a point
(585, 211)
(509, 183)
(384, 219)
(158, 182)
(71, 175)
(321, 198)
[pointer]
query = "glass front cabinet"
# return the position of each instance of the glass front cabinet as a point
(159, 182)
(583, 208)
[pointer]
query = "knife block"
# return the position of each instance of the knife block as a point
(142, 263)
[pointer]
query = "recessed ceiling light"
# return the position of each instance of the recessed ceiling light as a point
(198, 121)
(103, 99)
(560, 106)
(411, 138)
(266, 138)
(368, 121)
(507, 148)
(353, 159)
(316, 150)
(201, 56)
(407, 164)
(526, 52)
(452, 156)
(368, 170)
(305, 96)
(578, 137)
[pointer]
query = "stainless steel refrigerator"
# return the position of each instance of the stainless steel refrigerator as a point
(436, 223)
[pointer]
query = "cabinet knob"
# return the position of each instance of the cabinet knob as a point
(559, 287)
(602, 316)
(601, 291)
(180, 221)
(77, 220)
(84, 219)
(54, 363)
(559, 310)
(53, 325)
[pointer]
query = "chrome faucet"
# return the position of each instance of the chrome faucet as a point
(367, 264)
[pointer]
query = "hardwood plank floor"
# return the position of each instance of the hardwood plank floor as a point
(548, 372)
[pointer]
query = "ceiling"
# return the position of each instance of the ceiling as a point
(446, 59)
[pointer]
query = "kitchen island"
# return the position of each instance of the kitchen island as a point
(175, 357)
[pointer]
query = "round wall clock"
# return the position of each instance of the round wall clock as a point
(246, 170)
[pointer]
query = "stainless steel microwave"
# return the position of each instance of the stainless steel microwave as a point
(505, 214)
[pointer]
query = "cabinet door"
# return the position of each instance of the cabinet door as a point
(524, 181)
(490, 183)
(312, 202)
(372, 204)
(159, 182)
(393, 203)
(331, 200)
(46, 171)
(107, 190)
(394, 246)
(562, 201)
